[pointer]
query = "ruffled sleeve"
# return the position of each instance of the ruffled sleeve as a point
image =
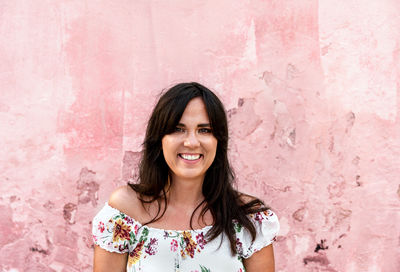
(113, 230)
(267, 227)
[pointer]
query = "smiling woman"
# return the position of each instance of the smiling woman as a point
(190, 150)
(183, 214)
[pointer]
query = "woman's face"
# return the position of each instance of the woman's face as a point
(190, 150)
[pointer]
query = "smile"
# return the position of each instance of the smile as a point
(190, 157)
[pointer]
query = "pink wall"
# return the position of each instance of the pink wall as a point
(312, 89)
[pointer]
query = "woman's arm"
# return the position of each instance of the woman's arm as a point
(105, 261)
(261, 261)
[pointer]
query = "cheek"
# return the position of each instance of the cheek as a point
(212, 145)
(166, 146)
(167, 143)
(170, 147)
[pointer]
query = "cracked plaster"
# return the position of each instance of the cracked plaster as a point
(311, 89)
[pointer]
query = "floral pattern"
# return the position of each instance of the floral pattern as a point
(134, 255)
(188, 245)
(174, 245)
(117, 232)
(239, 246)
(151, 247)
(204, 269)
(200, 241)
(101, 227)
(121, 231)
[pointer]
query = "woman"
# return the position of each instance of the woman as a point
(183, 214)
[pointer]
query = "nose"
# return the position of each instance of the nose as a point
(191, 140)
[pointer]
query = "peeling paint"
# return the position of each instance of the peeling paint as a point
(69, 212)
(49, 205)
(292, 71)
(398, 191)
(350, 118)
(341, 214)
(320, 259)
(244, 121)
(87, 187)
(38, 250)
(130, 166)
(7, 231)
(358, 182)
(356, 160)
(240, 102)
(291, 139)
(299, 214)
(321, 246)
(337, 188)
(311, 89)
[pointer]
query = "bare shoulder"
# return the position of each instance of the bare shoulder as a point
(126, 200)
(122, 197)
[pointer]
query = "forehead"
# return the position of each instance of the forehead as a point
(195, 111)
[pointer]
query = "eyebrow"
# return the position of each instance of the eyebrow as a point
(199, 125)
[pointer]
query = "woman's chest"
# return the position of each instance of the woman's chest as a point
(156, 250)
(182, 220)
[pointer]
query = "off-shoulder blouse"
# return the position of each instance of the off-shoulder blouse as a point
(153, 250)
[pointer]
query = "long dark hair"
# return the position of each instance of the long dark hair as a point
(220, 198)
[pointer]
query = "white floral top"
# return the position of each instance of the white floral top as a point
(154, 250)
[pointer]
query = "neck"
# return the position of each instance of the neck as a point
(186, 194)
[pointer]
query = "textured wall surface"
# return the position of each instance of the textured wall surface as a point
(312, 90)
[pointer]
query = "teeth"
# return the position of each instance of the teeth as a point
(190, 157)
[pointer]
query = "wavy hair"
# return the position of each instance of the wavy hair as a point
(224, 202)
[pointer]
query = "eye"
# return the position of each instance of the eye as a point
(205, 130)
(179, 129)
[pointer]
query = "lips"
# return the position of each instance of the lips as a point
(190, 157)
